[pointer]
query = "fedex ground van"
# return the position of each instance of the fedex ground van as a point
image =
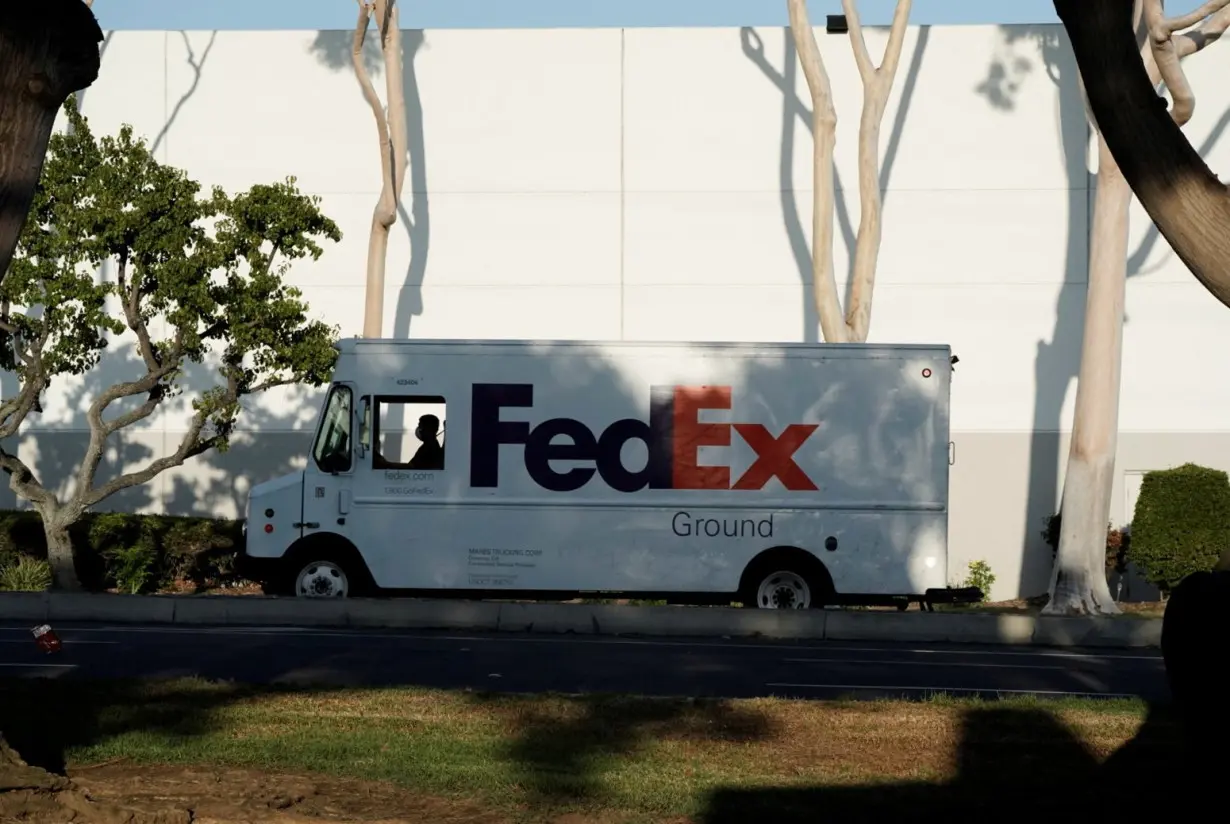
(779, 476)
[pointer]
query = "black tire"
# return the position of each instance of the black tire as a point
(786, 566)
(330, 561)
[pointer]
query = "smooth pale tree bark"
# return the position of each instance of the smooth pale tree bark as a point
(48, 50)
(824, 138)
(392, 136)
(877, 84)
(1078, 579)
(851, 326)
(1182, 196)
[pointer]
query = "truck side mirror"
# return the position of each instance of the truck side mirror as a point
(365, 427)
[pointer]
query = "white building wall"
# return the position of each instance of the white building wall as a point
(656, 184)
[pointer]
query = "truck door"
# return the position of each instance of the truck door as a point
(328, 478)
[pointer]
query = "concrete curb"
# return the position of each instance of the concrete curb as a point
(487, 616)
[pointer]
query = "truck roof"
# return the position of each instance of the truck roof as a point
(355, 344)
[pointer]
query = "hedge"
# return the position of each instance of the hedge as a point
(1116, 543)
(132, 553)
(1181, 524)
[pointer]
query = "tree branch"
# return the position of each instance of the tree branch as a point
(1182, 196)
(390, 43)
(862, 58)
(1210, 32)
(13, 412)
(824, 138)
(373, 100)
(270, 384)
(130, 295)
(1166, 51)
(877, 84)
(100, 429)
(191, 446)
(22, 480)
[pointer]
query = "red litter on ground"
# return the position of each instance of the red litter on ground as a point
(46, 638)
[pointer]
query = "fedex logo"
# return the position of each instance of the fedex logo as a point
(673, 434)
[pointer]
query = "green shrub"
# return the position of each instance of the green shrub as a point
(1116, 543)
(135, 553)
(132, 568)
(980, 576)
(1181, 524)
(26, 574)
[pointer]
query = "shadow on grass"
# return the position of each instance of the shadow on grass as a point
(1013, 764)
(560, 758)
(582, 752)
(45, 719)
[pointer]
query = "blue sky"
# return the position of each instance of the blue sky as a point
(430, 14)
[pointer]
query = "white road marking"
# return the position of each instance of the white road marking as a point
(884, 688)
(71, 641)
(499, 638)
(38, 666)
(901, 663)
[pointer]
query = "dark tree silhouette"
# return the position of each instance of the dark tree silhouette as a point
(48, 50)
(1190, 206)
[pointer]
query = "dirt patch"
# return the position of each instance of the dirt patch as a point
(233, 795)
(135, 794)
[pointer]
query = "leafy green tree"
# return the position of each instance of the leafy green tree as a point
(204, 271)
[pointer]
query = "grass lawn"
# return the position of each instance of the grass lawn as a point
(414, 754)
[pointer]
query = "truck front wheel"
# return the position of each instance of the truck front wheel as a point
(322, 579)
(325, 569)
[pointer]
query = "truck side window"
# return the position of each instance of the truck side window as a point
(409, 432)
(332, 449)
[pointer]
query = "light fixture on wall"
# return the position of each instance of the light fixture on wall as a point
(836, 24)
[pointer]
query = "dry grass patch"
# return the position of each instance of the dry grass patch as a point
(536, 758)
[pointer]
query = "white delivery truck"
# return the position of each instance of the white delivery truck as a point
(776, 475)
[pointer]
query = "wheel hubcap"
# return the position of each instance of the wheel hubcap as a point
(322, 580)
(784, 590)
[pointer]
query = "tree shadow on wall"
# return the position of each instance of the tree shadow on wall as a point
(1010, 765)
(1057, 362)
(272, 438)
(197, 66)
(795, 109)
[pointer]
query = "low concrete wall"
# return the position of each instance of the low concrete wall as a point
(485, 616)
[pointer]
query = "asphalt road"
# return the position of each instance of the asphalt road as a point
(573, 664)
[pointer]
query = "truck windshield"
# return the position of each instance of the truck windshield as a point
(332, 450)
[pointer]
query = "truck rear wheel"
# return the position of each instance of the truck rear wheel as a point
(786, 580)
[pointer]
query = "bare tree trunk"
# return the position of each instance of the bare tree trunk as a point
(1186, 201)
(48, 50)
(392, 135)
(852, 325)
(59, 549)
(877, 84)
(1078, 580)
(824, 138)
